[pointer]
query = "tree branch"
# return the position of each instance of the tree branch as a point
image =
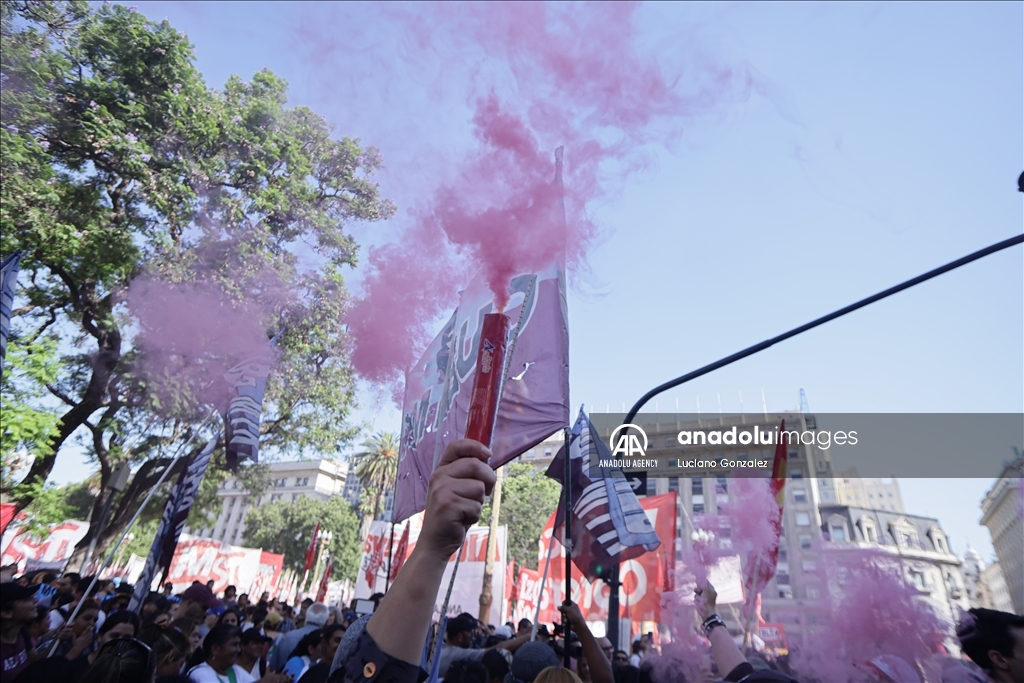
(61, 395)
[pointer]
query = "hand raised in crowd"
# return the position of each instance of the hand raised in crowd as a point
(704, 598)
(455, 496)
(571, 613)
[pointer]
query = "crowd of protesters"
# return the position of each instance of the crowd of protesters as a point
(196, 637)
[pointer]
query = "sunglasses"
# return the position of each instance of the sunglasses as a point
(123, 646)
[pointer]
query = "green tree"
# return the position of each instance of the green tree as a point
(117, 160)
(287, 527)
(527, 500)
(377, 468)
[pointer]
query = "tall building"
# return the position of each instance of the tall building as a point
(878, 494)
(1003, 514)
(353, 493)
(998, 592)
(321, 479)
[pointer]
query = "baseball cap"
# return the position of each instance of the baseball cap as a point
(460, 624)
(253, 635)
(217, 610)
(11, 592)
(273, 619)
(201, 594)
(530, 659)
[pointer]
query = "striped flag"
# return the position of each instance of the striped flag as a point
(172, 522)
(609, 526)
(248, 382)
(8, 279)
(321, 593)
(760, 567)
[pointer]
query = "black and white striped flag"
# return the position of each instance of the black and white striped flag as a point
(8, 279)
(609, 525)
(248, 382)
(172, 522)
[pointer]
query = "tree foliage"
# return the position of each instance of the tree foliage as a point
(116, 160)
(527, 500)
(287, 527)
(377, 468)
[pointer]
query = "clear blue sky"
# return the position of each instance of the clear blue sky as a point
(887, 140)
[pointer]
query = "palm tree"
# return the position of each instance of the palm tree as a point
(377, 468)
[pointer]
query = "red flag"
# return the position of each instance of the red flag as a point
(398, 557)
(376, 559)
(764, 567)
(321, 593)
(311, 549)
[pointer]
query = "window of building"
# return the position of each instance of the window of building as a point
(825, 495)
(871, 496)
(275, 497)
(803, 519)
(782, 578)
(837, 532)
(796, 473)
(867, 528)
(917, 578)
(670, 442)
(799, 495)
(786, 592)
(808, 566)
(697, 487)
(722, 484)
(673, 484)
(698, 508)
(793, 455)
(805, 541)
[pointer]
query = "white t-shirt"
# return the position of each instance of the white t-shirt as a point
(204, 673)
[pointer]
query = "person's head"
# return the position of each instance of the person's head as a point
(210, 584)
(229, 617)
(68, 583)
(624, 673)
(153, 603)
(40, 625)
(620, 657)
(530, 659)
(222, 646)
(317, 615)
(496, 665)
(334, 617)
(168, 589)
(994, 641)
(196, 599)
(459, 630)
(467, 671)
(606, 647)
(121, 661)
(190, 629)
(118, 626)
(243, 600)
(229, 593)
(170, 648)
(556, 674)
(253, 643)
(309, 646)
(17, 604)
(86, 619)
(8, 572)
(331, 640)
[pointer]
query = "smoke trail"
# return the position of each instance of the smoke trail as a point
(535, 77)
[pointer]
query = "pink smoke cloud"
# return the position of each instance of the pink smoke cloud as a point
(535, 77)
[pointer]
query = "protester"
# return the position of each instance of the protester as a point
(305, 654)
(252, 658)
(17, 610)
(598, 666)
(77, 638)
(168, 589)
(221, 648)
(620, 657)
(724, 651)
(529, 661)
(316, 617)
(170, 649)
(318, 673)
(118, 626)
(196, 600)
(458, 642)
(228, 617)
(556, 674)
(229, 597)
(467, 671)
(994, 641)
(496, 664)
(190, 629)
(391, 639)
(121, 661)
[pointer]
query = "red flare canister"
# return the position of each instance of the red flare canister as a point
(490, 361)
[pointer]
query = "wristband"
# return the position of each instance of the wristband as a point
(710, 623)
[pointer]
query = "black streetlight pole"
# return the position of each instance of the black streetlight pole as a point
(613, 578)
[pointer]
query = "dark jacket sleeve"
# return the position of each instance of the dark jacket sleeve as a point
(359, 660)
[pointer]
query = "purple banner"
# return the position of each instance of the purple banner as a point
(535, 398)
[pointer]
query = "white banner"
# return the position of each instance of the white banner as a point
(58, 545)
(469, 582)
(202, 559)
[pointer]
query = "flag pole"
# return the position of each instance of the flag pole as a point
(391, 547)
(128, 528)
(543, 582)
(567, 631)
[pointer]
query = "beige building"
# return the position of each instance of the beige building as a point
(288, 480)
(878, 494)
(998, 592)
(1002, 514)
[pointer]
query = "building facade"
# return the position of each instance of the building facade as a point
(878, 494)
(1003, 514)
(321, 479)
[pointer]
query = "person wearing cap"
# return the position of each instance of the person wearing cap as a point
(530, 660)
(254, 648)
(17, 610)
(459, 637)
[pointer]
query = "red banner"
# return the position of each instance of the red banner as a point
(267, 575)
(643, 579)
